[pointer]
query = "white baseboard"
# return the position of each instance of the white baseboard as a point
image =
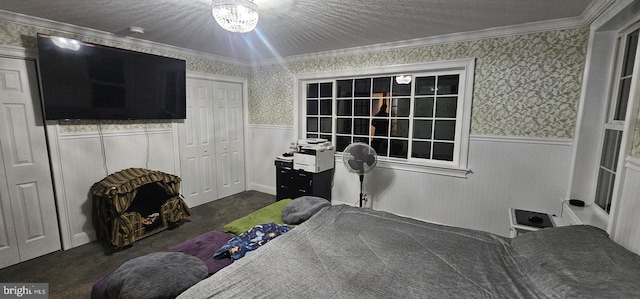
(263, 188)
(83, 238)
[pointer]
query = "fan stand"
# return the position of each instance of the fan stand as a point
(361, 189)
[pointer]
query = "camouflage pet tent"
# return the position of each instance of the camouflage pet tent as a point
(114, 196)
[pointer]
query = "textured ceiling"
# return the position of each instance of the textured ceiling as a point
(298, 27)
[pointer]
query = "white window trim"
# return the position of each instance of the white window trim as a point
(625, 126)
(467, 65)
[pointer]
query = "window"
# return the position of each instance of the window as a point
(424, 122)
(615, 121)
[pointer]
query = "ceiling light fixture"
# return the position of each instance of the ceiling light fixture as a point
(66, 43)
(403, 79)
(136, 30)
(235, 15)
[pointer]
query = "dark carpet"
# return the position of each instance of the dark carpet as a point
(72, 273)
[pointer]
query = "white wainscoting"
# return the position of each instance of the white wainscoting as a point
(626, 232)
(77, 160)
(266, 142)
(507, 172)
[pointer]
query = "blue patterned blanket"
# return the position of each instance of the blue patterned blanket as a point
(250, 240)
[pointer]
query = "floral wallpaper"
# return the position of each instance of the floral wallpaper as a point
(526, 85)
(95, 126)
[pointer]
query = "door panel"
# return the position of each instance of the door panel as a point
(27, 180)
(197, 165)
(229, 138)
(9, 253)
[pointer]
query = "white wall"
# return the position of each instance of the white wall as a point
(77, 162)
(627, 233)
(524, 173)
(591, 117)
(265, 143)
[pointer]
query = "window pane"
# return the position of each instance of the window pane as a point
(424, 107)
(362, 107)
(312, 107)
(381, 126)
(400, 128)
(382, 85)
(312, 90)
(325, 107)
(445, 130)
(422, 129)
(443, 151)
(344, 107)
(400, 107)
(379, 107)
(425, 85)
(364, 140)
(401, 89)
(343, 126)
(623, 98)
(399, 148)
(309, 135)
(446, 107)
(604, 189)
(363, 88)
(325, 125)
(380, 146)
(345, 88)
(325, 90)
(342, 142)
(448, 84)
(421, 149)
(630, 53)
(361, 126)
(610, 149)
(325, 136)
(312, 124)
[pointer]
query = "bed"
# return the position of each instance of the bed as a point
(348, 252)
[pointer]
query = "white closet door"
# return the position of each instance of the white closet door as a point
(9, 253)
(26, 183)
(229, 138)
(197, 152)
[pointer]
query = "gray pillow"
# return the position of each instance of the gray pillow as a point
(302, 208)
(156, 275)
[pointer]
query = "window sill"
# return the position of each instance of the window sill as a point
(407, 166)
(588, 214)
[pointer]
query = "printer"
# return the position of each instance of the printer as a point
(313, 155)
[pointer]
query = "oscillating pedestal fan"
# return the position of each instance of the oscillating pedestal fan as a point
(359, 158)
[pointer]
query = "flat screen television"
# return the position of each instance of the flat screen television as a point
(82, 80)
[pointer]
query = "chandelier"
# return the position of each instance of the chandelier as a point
(403, 79)
(235, 15)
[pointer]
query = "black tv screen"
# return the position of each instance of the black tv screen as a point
(82, 80)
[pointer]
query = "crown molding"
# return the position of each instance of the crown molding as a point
(93, 33)
(599, 7)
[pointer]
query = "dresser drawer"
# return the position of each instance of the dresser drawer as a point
(293, 183)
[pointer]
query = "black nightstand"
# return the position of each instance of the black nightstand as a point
(292, 183)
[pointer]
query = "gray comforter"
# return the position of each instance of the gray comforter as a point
(346, 252)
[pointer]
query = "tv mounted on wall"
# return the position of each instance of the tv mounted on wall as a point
(82, 80)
